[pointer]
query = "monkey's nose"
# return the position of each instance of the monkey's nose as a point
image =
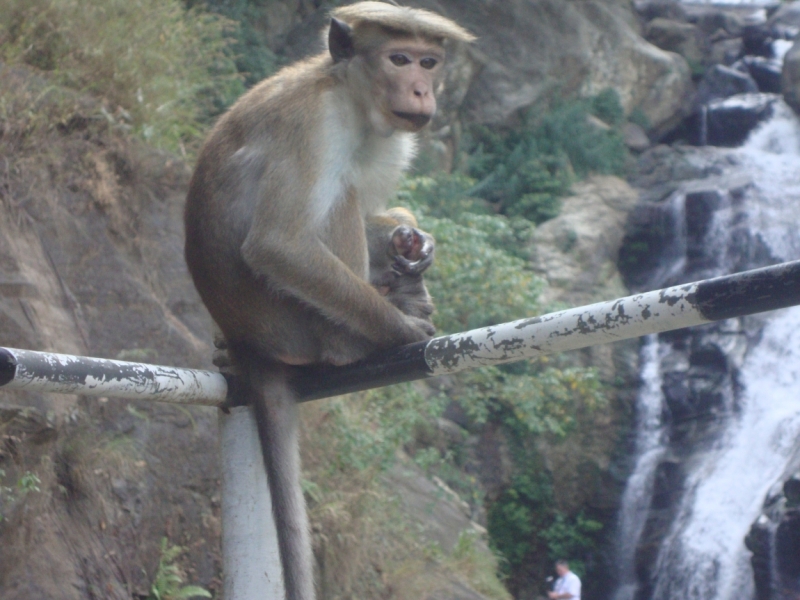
(420, 89)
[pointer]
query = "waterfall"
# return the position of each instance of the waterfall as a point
(705, 558)
(704, 125)
(755, 429)
(649, 448)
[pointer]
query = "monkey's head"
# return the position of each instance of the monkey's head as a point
(394, 57)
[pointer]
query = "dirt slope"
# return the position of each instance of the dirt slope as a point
(91, 262)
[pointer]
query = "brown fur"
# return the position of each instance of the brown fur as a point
(398, 255)
(275, 226)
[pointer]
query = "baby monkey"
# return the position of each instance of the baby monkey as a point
(398, 255)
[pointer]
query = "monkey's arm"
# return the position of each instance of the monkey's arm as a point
(300, 263)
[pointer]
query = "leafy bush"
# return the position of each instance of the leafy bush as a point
(27, 483)
(367, 429)
(540, 401)
(159, 69)
(607, 107)
(527, 169)
(523, 523)
(590, 148)
(573, 538)
(474, 283)
(515, 173)
(254, 59)
(518, 515)
(169, 578)
(479, 277)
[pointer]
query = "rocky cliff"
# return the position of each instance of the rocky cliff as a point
(91, 263)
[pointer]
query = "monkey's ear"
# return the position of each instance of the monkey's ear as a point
(340, 40)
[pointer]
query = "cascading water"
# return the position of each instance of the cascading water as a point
(704, 556)
(738, 454)
(650, 449)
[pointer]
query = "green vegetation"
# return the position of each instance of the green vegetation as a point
(481, 277)
(254, 59)
(169, 578)
(523, 524)
(524, 171)
(162, 71)
(158, 69)
(27, 483)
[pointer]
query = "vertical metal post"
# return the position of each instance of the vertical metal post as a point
(251, 563)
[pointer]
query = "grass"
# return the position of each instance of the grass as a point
(159, 70)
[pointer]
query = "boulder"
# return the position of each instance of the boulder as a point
(635, 137)
(758, 39)
(726, 51)
(785, 22)
(730, 121)
(535, 50)
(683, 38)
(723, 82)
(766, 72)
(790, 78)
(665, 9)
(714, 21)
(774, 540)
(576, 251)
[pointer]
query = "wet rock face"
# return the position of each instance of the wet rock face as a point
(723, 82)
(787, 550)
(774, 540)
(688, 216)
(729, 122)
(766, 72)
(790, 82)
(731, 50)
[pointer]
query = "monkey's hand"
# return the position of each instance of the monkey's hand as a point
(409, 294)
(414, 250)
(424, 325)
(221, 357)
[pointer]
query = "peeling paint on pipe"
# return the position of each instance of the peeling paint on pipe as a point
(66, 374)
(681, 306)
(677, 307)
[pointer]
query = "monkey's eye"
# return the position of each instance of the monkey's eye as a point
(400, 60)
(428, 63)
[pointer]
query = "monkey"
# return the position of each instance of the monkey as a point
(276, 222)
(398, 255)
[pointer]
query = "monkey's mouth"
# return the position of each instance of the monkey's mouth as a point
(416, 119)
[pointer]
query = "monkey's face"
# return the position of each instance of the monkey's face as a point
(408, 71)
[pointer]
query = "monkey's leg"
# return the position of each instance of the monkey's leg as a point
(278, 420)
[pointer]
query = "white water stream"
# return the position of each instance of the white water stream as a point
(650, 449)
(704, 557)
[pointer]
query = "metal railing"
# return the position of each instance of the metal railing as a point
(251, 565)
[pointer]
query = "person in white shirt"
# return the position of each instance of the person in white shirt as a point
(568, 585)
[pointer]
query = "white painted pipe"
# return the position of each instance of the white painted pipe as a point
(251, 567)
(53, 373)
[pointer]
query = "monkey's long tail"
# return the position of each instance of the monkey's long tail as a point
(278, 420)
